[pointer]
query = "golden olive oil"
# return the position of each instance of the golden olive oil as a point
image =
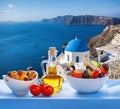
(52, 77)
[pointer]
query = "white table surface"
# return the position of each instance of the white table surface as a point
(106, 98)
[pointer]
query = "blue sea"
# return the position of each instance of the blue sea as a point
(22, 44)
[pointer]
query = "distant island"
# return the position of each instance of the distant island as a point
(83, 19)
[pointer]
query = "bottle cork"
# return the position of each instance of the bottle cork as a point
(52, 51)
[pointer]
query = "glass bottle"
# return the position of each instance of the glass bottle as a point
(52, 77)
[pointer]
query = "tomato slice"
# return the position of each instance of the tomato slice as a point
(77, 74)
(103, 70)
(95, 74)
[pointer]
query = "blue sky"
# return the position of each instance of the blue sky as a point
(34, 10)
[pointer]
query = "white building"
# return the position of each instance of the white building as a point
(75, 51)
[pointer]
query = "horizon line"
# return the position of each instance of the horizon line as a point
(55, 17)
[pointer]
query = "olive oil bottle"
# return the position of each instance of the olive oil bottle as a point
(52, 77)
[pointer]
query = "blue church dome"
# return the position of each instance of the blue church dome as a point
(76, 45)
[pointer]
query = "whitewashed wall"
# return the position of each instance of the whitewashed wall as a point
(72, 55)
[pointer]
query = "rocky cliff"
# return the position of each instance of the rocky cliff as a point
(83, 19)
(111, 34)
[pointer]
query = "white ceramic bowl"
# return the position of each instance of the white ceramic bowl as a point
(19, 87)
(86, 85)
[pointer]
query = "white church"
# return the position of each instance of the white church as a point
(75, 51)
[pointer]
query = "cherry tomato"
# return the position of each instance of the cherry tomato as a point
(35, 89)
(48, 90)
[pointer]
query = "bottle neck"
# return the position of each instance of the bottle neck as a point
(52, 68)
(51, 59)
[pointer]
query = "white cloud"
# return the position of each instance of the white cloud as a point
(10, 5)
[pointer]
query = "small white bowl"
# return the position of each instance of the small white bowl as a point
(86, 85)
(19, 87)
